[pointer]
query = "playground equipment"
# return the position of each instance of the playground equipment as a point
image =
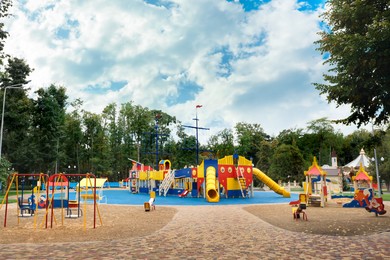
(299, 207)
(27, 208)
(316, 196)
(364, 194)
(364, 198)
(376, 205)
(57, 196)
(151, 203)
(362, 179)
(24, 207)
(270, 183)
(86, 187)
(231, 177)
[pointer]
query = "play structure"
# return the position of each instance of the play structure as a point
(48, 193)
(150, 205)
(230, 177)
(364, 195)
(27, 205)
(299, 207)
(315, 186)
(86, 187)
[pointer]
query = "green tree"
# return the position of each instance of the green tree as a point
(4, 166)
(264, 154)
(17, 115)
(290, 136)
(134, 121)
(222, 143)
(248, 138)
(287, 164)
(357, 41)
(321, 140)
(70, 145)
(14, 71)
(96, 146)
(48, 126)
(4, 6)
(186, 149)
(113, 131)
(383, 150)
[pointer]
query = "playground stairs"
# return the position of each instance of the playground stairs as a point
(242, 182)
(166, 183)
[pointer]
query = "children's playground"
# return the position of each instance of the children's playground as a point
(85, 202)
(229, 178)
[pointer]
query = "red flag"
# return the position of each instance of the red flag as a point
(198, 106)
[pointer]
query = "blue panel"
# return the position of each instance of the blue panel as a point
(213, 163)
(234, 193)
(59, 204)
(143, 190)
(183, 173)
(175, 192)
(194, 191)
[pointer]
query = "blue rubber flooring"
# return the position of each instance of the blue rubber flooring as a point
(125, 197)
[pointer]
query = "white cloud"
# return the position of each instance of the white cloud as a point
(253, 66)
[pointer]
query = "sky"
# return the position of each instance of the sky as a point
(250, 61)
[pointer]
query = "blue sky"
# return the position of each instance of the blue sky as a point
(248, 61)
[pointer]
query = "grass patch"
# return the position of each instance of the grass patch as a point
(296, 189)
(386, 196)
(13, 193)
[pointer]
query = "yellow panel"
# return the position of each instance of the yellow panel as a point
(143, 176)
(156, 175)
(90, 182)
(226, 160)
(232, 184)
(201, 170)
(159, 176)
(244, 161)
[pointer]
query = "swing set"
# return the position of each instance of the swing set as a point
(56, 195)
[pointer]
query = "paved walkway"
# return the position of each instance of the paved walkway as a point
(218, 232)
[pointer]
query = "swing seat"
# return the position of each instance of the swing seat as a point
(27, 209)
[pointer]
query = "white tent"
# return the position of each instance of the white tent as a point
(361, 159)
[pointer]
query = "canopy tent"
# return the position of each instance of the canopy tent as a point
(87, 185)
(361, 159)
(90, 182)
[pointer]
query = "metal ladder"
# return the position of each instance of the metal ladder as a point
(242, 182)
(166, 183)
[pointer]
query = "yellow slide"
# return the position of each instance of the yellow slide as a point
(270, 183)
(212, 194)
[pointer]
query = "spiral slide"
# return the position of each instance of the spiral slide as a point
(270, 183)
(212, 194)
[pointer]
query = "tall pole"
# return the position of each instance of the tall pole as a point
(2, 114)
(376, 167)
(156, 126)
(197, 128)
(377, 174)
(197, 139)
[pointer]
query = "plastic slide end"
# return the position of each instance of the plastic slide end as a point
(286, 194)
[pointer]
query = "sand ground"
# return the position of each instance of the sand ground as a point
(116, 221)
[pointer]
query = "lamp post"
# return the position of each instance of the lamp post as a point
(2, 114)
(375, 159)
